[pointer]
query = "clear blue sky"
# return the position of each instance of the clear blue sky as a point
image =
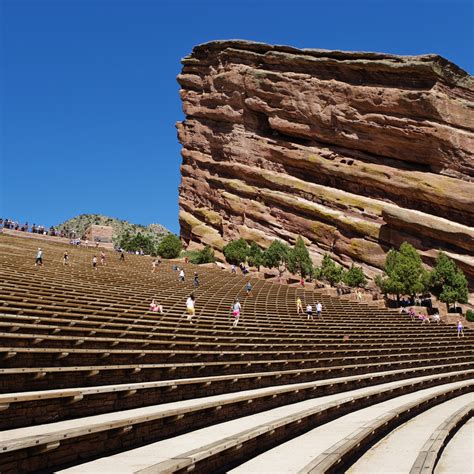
(89, 98)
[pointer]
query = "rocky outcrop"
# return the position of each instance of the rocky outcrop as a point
(356, 152)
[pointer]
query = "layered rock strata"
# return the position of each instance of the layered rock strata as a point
(356, 152)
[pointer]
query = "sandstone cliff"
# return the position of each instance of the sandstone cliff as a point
(356, 152)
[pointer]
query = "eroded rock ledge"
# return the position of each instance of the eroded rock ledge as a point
(356, 152)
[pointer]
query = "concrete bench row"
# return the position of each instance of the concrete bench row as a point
(24, 408)
(88, 437)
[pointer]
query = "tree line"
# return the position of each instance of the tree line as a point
(295, 259)
(168, 247)
(404, 273)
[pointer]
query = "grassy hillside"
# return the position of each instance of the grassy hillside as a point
(80, 223)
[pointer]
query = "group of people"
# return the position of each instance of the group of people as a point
(236, 306)
(102, 260)
(39, 259)
(34, 229)
(423, 317)
(309, 309)
(243, 268)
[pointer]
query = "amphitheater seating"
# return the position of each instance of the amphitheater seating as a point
(89, 377)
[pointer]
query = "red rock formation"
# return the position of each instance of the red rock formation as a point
(356, 152)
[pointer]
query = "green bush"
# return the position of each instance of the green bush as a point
(236, 251)
(170, 246)
(331, 271)
(138, 242)
(193, 255)
(206, 255)
(470, 315)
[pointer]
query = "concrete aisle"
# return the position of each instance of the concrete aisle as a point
(140, 458)
(458, 456)
(297, 453)
(397, 452)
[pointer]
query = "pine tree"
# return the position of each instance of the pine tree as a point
(354, 277)
(405, 272)
(277, 256)
(448, 282)
(299, 260)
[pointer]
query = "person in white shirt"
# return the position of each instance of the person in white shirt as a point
(181, 275)
(236, 307)
(39, 257)
(319, 308)
(190, 307)
(309, 311)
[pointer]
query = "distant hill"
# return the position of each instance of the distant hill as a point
(79, 225)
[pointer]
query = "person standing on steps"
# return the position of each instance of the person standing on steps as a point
(299, 306)
(102, 258)
(460, 329)
(39, 257)
(319, 309)
(236, 308)
(233, 270)
(65, 258)
(94, 262)
(309, 312)
(190, 307)
(248, 288)
(154, 264)
(196, 280)
(122, 256)
(181, 275)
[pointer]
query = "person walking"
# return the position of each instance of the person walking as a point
(190, 307)
(39, 257)
(319, 309)
(154, 264)
(236, 308)
(460, 329)
(309, 312)
(299, 306)
(65, 258)
(232, 269)
(122, 256)
(102, 258)
(94, 262)
(196, 280)
(248, 288)
(181, 275)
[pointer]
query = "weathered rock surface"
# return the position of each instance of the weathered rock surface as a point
(356, 152)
